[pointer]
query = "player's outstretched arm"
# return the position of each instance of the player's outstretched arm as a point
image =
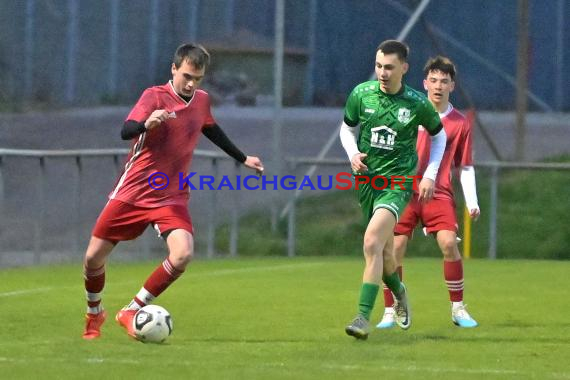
(216, 135)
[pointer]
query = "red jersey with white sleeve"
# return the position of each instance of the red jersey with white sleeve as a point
(458, 150)
(167, 149)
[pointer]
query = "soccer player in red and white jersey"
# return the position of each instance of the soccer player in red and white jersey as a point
(164, 126)
(438, 215)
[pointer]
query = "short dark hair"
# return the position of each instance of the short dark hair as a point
(395, 47)
(194, 53)
(440, 63)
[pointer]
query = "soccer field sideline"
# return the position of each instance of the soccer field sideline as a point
(213, 306)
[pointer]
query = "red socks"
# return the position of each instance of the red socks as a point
(157, 283)
(453, 274)
(94, 283)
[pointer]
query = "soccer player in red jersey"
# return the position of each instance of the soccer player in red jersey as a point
(164, 126)
(438, 215)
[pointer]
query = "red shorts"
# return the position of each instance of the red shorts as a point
(122, 221)
(436, 215)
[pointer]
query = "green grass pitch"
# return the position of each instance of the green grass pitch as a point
(284, 318)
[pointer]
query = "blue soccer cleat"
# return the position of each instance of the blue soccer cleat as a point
(388, 319)
(460, 317)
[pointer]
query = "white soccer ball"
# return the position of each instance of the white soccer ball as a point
(152, 324)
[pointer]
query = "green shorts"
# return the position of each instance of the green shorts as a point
(371, 199)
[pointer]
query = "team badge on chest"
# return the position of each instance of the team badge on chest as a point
(404, 115)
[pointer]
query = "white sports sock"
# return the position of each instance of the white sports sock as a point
(94, 297)
(143, 296)
(456, 305)
(95, 310)
(133, 305)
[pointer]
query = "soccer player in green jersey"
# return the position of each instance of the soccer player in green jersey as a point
(388, 113)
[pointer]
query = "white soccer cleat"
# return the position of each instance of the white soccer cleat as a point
(460, 317)
(388, 319)
(402, 310)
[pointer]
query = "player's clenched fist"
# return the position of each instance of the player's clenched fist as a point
(254, 163)
(156, 118)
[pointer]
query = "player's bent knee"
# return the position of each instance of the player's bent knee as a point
(181, 248)
(180, 257)
(372, 245)
(91, 262)
(94, 260)
(449, 249)
(447, 243)
(97, 252)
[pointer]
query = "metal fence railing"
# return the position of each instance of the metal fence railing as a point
(233, 200)
(117, 155)
(495, 168)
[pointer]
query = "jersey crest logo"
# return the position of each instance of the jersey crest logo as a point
(383, 137)
(404, 115)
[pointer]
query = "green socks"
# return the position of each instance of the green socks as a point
(368, 293)
(393, 283)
